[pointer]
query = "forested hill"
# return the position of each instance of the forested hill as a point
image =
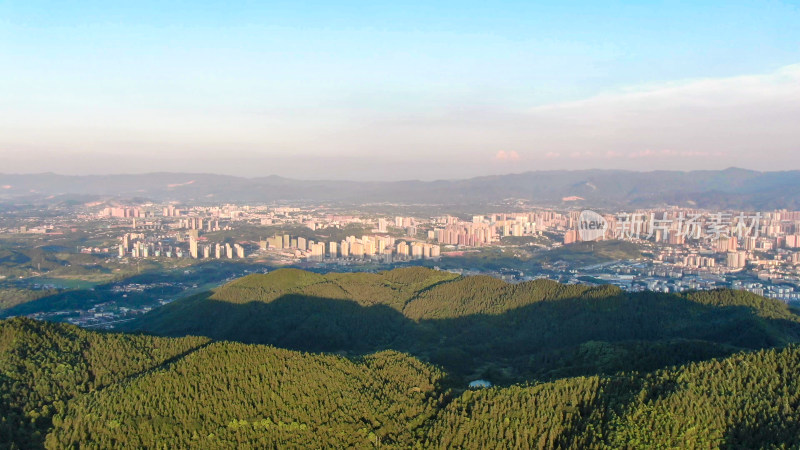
(478, 326)
(44, 365)
(63, 387)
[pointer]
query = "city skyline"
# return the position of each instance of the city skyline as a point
(391, 92)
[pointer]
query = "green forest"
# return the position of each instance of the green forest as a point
(479, 326)
(299, 359)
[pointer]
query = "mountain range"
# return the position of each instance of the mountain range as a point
(730, 188)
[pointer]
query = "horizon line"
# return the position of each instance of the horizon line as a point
(134, 174)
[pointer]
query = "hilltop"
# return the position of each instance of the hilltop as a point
(479, 326)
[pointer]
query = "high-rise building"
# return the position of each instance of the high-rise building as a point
(402, 248)
(676, 238)
(737, 260)
(723, 244)
(317, 250)
(369, 246)
(275, 242)
(417, 250)
(382, 243)
(733, 243)
(193, 247)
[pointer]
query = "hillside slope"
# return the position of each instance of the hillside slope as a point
(185, 393)
(479, 326)
(44, 365)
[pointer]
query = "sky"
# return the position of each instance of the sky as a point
(397, 90)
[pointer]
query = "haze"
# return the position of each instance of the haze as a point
(397, 91)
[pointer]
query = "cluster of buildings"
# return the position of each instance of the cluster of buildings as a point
(351, 247)
(489, 229)
(137, 245)
(731, 239)
(482, 230)
(690, 248)
(122, 212)
(199, 223)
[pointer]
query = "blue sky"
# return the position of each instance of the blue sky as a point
(374, 90)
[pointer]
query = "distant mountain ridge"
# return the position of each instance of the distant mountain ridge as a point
(729, 188)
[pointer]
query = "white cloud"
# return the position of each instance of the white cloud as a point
(748, 121)
(744, 119)
(503, 155)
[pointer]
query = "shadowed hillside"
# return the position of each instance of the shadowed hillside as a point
(480, 326)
